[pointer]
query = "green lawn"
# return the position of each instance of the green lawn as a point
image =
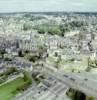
(8, 90)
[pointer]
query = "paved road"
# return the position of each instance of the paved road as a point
(56, 91)
(85, 82)
(86, 85)
(80, 81)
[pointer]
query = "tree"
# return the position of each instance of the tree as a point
(27, 26)
(58, 62)
(26, 51)
(27, 77)
(55, 30)
(75, 95)
(61, 46)
(2, 52)
(33, 58)
(64, 29)
(89, 98)
(56, 54)
(43, 29)
(17, 44)
(79, 96)
(20, 53)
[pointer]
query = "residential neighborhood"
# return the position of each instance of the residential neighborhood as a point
(48, 56)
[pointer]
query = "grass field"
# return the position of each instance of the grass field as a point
(8, 90)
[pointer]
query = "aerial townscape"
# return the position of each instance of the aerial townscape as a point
(48, 56)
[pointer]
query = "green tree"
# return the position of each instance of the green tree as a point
(27, 26)
(20, 53)
(2, 52)
(55, 30)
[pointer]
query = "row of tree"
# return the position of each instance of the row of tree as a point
(27, 81)
(77, 95)
(51, 29)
